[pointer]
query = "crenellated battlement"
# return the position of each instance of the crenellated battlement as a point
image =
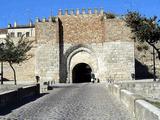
(80, 11)
(72, 12)
(50, 19)
(77, 36)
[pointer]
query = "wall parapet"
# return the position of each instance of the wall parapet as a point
(17, 96)
(49, 19)
(136, 104)
(80, 12)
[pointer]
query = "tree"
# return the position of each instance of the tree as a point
(110, 15)
(145, 30)
(15, 53)
(142, 48)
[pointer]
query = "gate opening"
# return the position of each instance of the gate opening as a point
(81, 73)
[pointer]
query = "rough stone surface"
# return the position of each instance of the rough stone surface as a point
(83, 28)
(104, 44)
(46, 32)
(146, 111)
(116, 30)
(144, 61)
(109, 60)
(145, 89)
(74, 102)
(136, 104)
(47, 62)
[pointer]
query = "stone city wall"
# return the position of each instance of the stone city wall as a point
(116, 30)
(47, 52)
(82, 28)
(110, 60)
(93, 28)
(145, 58)
(108, 41)
(46, 32)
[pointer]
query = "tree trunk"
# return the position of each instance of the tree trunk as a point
(154, 59)
(14, 72)
(157, 50)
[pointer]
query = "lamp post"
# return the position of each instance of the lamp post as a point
(154, 68)
(154, 57)
(2, 73)
(2, 46)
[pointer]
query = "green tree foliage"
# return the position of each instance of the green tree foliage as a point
(110, 15)
(142, 47)
(144, 29)
(15, 53)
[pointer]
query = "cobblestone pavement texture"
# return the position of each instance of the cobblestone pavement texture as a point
(84, 101)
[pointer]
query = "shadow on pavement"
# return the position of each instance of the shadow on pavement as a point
(73, 85)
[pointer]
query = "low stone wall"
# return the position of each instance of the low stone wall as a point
(8, 98)
(135, 103)
(8, 87)
(146, 111)
(115, 90)
(16, 96)
(128, 99)
(146, 89)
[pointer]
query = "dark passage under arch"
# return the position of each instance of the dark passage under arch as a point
(81, 73)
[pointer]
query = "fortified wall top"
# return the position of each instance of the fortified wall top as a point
(78, 12)
(82, 27)
(73, 12)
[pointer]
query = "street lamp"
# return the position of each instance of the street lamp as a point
(154, 57)
(154, 67)
(2, 47)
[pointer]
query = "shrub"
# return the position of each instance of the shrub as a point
(110, 15)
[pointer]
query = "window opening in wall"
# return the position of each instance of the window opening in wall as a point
(12, 34)
(27, 34)
(19, 34)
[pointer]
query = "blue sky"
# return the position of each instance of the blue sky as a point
(23, 10)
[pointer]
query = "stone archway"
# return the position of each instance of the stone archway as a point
(81, 55)
(81, 73)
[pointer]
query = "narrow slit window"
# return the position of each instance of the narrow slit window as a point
(27, 34)
(19, 34)
(12, 34)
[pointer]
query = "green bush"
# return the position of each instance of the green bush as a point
(110, 15)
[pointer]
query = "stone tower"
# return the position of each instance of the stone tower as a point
(82, 44)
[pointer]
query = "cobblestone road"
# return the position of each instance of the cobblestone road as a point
(73, 102)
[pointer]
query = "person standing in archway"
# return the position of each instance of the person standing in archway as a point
(93, 77)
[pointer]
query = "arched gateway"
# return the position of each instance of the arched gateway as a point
(72, 46)
(80, 63)
(64, 42)
(81, 73)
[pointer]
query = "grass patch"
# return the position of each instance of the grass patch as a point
(155, 103)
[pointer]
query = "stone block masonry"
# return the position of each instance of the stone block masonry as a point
(136, 104)
(90, 38)
(103, 44)
(83, 28)
(82, 36)
(46, 32)
(146, 89)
